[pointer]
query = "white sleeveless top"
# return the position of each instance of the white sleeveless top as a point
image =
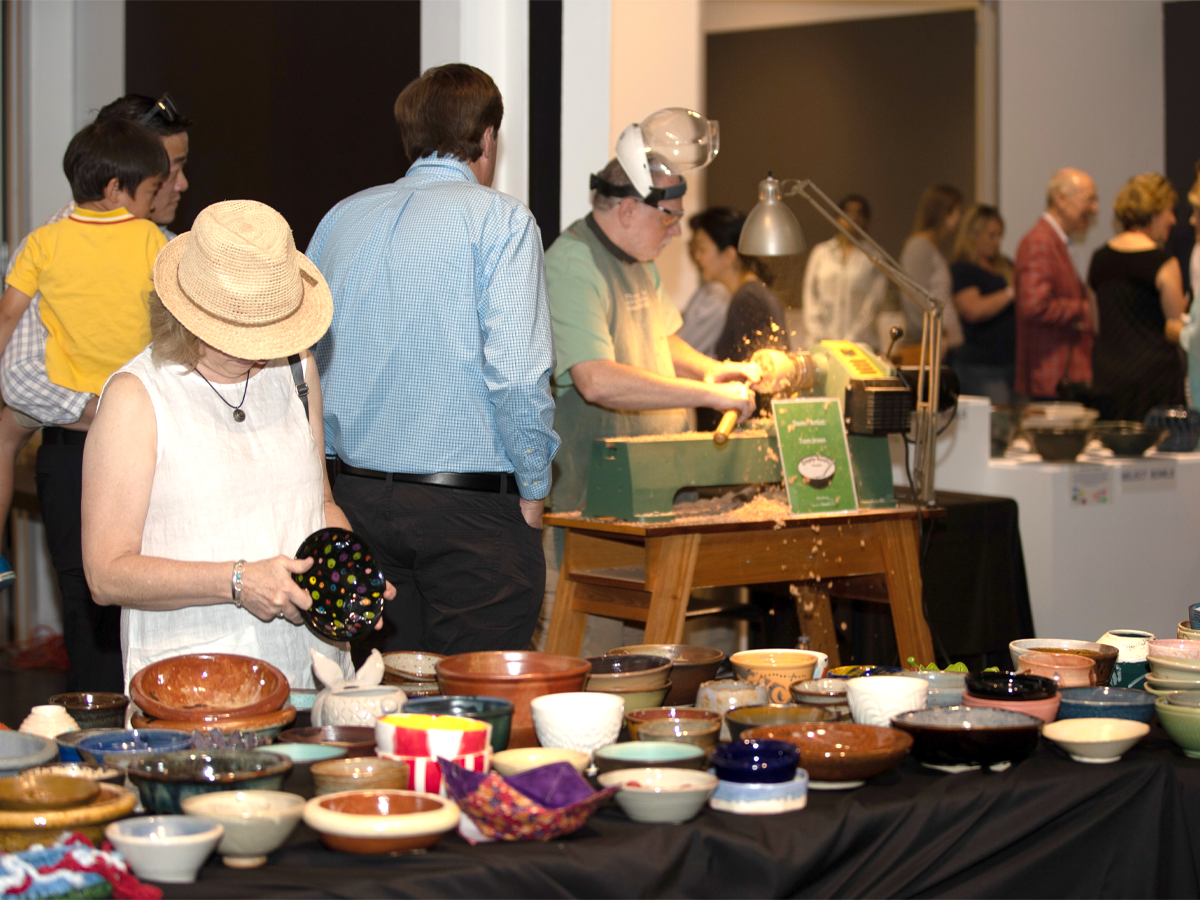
(223, 491)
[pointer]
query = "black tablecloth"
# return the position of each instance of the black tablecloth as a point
(1047, 827)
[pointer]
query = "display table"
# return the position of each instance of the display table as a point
(1047, 827)
(646, 572)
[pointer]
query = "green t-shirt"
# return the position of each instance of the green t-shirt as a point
(604, 305)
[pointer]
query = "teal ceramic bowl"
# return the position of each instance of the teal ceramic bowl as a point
(494, 710)
(165, 780)
(304, 754)
(650, 754)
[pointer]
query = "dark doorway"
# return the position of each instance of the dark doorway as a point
(292, 101)
(1181, 30)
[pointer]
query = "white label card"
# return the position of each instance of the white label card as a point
(1148, 475)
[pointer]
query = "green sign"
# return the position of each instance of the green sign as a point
(816, 460)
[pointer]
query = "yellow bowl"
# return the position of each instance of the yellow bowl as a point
(777, 669)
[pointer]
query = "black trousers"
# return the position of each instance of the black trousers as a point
(92, 633)
(469, 572)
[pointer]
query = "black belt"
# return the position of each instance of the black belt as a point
(55, 435)
(488, 482)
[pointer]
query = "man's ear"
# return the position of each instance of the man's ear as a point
(488, 143)
(626, 211)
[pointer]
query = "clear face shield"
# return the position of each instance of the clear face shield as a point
(669, 142)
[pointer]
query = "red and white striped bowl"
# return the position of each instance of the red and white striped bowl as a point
(425, 774)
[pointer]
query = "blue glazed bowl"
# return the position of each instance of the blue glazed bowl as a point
(494, 710)
(1183, 425)
(1106, 703)
(165, 780)
(761, 799)
(68, 740)
(756, 762)
(131, 741)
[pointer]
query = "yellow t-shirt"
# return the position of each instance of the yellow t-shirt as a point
(94, 272)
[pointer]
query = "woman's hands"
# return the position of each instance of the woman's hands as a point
(270, 592)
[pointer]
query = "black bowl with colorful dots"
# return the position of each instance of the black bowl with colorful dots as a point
(344, 583)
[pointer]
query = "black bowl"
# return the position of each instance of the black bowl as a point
(1182, 423)
(1058, 443)
(960, 735)
(1127, 438)
(1009, 686)
(344, 583)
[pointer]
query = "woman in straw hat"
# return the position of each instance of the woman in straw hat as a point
(202, 472)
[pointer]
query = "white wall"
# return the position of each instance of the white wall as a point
(586, 59)
(1081, 84)
(492, 35)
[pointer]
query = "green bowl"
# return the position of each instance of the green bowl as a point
(1182, 723)
(165, 780)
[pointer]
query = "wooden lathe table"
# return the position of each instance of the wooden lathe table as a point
(646, 572)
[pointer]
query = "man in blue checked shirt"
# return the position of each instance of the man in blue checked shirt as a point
(436, 377)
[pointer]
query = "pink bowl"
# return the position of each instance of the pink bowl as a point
(1065, 668)
(1046, 710)
(1176, 648)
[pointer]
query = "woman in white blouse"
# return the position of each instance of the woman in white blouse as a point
(842, 288)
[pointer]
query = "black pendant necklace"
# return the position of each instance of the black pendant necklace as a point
(238, 415)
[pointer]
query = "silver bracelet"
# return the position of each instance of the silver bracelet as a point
(235, 582)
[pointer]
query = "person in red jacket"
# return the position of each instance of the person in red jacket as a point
(1056, 321)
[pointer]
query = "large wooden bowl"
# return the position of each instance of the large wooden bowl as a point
(202, 687)
(518, 676)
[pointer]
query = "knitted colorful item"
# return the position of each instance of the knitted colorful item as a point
(344, 582)
(70, 867)
(536, 805)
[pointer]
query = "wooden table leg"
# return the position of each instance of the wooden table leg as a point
(672, 585)
(902, 572)
(815, 614)
(567, 625)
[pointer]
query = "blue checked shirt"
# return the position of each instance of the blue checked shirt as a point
(440, 352)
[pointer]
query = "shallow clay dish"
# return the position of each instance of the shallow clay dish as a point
(841, 754)
(200, 687)
(966, 736)
(18, 830)
(357, 741)
(691, 666)
(518, 676)
(745, 717)
(378, 822)
(28, 791)
(265, 725)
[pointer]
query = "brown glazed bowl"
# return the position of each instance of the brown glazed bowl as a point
(201, 687)
(513, 675)
(628, 672)
(634, 720)
(93, 710)
(745, 717)
(692, 665)
(357, 741)
(360, 773)
(379, 821)
(840, 751)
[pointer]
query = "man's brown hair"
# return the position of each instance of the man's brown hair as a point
(447, 110)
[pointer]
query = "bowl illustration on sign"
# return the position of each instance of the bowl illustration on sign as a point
(817, 471)
(344, 582)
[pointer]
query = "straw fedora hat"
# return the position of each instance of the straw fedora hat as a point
(237, 282)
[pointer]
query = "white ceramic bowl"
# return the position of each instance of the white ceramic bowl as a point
(1174, 668)
(167, 849)
(578, 720)
(372, 828)
(761, 799)
(522, 759)
(660, 795)
(1095, 740)
(876, 699)
(255, 822)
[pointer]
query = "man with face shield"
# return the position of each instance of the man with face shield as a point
(621, 370)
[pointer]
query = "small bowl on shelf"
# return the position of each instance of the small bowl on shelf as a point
(20, 750)
(649, 755)
(1127, 439)
(166, 849)
(165, 780)
(634, 720)
(745, 717)
(205, 687)
(700, 732)
(1010, 686)
(753, 761)
(1058, 443)
(31, 791)
(958, 736)
(1107, 703)
(1095, 740)
(628, 672)
(522, 759)
(359, 773)
(1103, 655)
(255, 823)
(691, 666)
(380, 822)
(355, 740)
(660, 795)
(103, 749)
(93, 710)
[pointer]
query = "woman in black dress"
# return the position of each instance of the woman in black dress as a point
(983, 295)
(1137, 363)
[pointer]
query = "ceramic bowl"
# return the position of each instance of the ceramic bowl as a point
(1010, 686)
(841, 754)
(642, 698)
(1178, 649)
(700, 732)
(1175, 698)
(67, 742)
(377, 822)
(691, 666)
(1096, 740)
(344, 582)
(967, 736)
(522, 759)
(1182, 425)
(405, 666)
(32, 791)
(20, 829)
(425, 773)
(761, 799)
(1058, 443)
(98, 710)
(1171, 684)
(493, 710)
(355, 740)
(206, 686)
(1066, 669)
(359, 773)
(1106, 703)
(730, 693)
(628, 672)
(754, 761)
(1127, 438)
(1173, 668)
(255, 822)
(165, 780)
(778, 670)
(745, 717)
(945, 688)
(264, 726)
(1046, 710)
(166, 849)
(19, 750)
(875, 700)
(635, 719)
(650, 754)
(1182, 723)
(86, 771)
(862, 671)
(96, 748)
(1185, 632)
(1104, 655)
(514, 676)
(413, 734)
(304, 754)
(827, 693)
(660, 795)
(580, 720)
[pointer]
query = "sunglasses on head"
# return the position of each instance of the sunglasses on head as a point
(165, 108)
